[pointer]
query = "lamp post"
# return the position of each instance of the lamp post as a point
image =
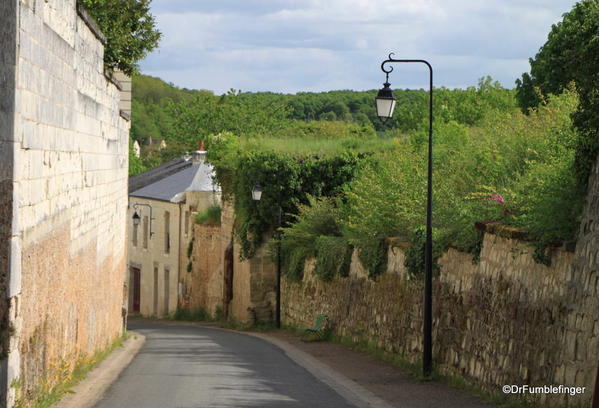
(256, 196)
(136, 218)
(385, 104)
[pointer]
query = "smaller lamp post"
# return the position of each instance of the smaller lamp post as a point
(136, 217)
(257, 195)
(257, 192)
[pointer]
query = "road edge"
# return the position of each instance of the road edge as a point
(90, 390)
(348, 389)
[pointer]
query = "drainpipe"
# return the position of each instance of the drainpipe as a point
(179, 295)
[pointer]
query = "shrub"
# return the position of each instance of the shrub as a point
(185, 314)
(210, 216)
(315, 233)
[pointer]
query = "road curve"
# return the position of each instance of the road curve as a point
(184, 366)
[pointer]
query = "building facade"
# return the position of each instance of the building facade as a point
(160, 220)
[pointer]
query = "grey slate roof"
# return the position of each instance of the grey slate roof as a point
(158, 173)
(195, 177)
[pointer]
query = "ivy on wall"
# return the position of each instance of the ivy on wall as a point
(287, 181)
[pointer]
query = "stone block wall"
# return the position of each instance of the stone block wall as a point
(64, 176)
(579, 358)
(8, 55)
(503, 320)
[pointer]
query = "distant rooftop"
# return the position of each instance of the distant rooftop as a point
(158, 173)
(193, 177)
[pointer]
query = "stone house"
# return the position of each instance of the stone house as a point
(63, 195)
(162, 205)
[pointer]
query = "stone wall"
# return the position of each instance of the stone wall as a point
(503, 320)
(205, 283)
(8, 55)
(254, 280)
(64, 153)
(579, 358)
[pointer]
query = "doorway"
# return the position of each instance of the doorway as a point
(166, 289)
(228, 279)
(135, 279)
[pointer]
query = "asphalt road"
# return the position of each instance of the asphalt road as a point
(183, 366)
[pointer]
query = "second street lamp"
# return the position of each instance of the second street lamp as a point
(256, 196)
(385, 103)
(137, 218)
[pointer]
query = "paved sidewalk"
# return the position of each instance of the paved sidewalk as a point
(387, 382)
(87, 392)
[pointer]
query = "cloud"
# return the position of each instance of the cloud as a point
(313, 45)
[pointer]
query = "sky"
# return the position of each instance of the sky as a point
(294, 46)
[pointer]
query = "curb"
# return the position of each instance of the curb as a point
(348, 389)
(90, 390)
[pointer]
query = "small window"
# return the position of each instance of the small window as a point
(186, 222)
(145, 232)
(134, 238)
(167, 232)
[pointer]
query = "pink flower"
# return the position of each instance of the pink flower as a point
(497, 197)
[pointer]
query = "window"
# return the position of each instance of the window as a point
(167, 232)
(145, 232)
(155, 309)
(186, 222)
(135, 228)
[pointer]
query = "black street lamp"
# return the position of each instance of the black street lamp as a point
(136, 218)
(385, 103)
(256, 196)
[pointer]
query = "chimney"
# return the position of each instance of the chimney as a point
(199, 156)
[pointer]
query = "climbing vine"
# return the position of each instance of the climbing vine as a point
(287, 181)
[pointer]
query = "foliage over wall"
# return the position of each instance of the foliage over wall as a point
(287, 181)
(210, 216)
(129, 28)
(570, 54)
(512, 168)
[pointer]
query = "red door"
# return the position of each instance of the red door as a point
(136, 284)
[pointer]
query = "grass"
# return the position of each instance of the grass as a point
(65, 379)
(325, 147)
(233, 324)
(192, 315)
(210, 216)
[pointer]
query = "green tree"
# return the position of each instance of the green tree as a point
(129, 28)
(571, 54)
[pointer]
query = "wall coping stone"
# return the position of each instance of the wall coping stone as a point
(89, 21)
(125, 115)
(505, 231)
(109, 74)
(398, 242)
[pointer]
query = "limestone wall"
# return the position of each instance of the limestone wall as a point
(8, 55)
(66, 147)
(503, 320)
